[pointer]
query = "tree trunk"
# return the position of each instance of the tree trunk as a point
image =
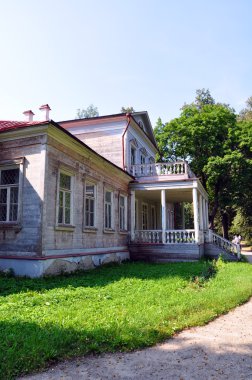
(224, 221)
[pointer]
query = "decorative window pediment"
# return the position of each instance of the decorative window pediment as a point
(134, 142)
(144, 151)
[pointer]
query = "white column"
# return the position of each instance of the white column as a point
(163, 210)
(207, 217)
(183, 214)
(196, 214)
(201, 212)
(132, 215)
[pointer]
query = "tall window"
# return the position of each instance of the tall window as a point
(153, 218)
(132, 155)
(90, 195)
(144, 216)
(123, 213)
(65, 199)
(9, 189)
(108, 209)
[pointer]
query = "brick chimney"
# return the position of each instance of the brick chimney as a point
(45, 109)
(28, 115)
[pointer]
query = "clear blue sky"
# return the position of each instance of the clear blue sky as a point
(149, 54)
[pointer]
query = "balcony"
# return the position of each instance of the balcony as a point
(167, 170)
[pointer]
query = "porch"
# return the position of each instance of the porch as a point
(161, 228)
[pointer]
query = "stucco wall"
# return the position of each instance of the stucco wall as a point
(25, 237)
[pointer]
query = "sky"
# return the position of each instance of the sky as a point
(149, 54)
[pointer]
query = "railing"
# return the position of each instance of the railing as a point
(163, 168)
(226, 245)
(179, 236)
(171, 236)
(148, 236)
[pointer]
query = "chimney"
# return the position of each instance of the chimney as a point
(28, 115)
(45, 109)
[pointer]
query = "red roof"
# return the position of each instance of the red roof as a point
(6, 125)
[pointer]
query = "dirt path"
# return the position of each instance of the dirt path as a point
(220, 350)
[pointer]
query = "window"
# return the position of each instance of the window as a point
(9, 195)
(144, 216)
(65, 199)
(142, 159)
(90, 195)
(108, 209)
(153, 218)
(132, 155)
(123, 213)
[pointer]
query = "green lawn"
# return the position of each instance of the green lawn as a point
(111, 308)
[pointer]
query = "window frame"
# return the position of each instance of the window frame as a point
(10, 165)
(71, 175)
(94, 198)
(125, 213)
(111, 224)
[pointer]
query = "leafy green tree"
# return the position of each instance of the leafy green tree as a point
(218, 149)
(246, 113)
(90, 111)
(127, 109)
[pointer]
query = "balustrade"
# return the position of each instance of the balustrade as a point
(171, 236)
(226, 244)
(162, 168)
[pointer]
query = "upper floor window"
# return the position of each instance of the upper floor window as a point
(9, 194)
(108, 212)
(65, 199)
(132, 155)
(123, 213)
(90, 204)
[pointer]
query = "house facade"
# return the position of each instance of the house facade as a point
(81, 193)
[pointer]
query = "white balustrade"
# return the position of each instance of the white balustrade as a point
(171, 236)
(162, 168)
(226, 244)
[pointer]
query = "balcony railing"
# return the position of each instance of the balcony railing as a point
(162, 168)
(171, 236)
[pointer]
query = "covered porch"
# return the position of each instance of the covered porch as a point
(159, 215)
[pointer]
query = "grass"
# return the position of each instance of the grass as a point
(110, 309)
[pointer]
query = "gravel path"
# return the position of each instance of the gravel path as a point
(220, 350)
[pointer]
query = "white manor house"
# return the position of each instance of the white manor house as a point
(80, 193)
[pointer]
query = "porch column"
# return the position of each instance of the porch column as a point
(201, 221)
(132, 215)
(204, 213)
(207, 217)
(163, 210)
(196, 213)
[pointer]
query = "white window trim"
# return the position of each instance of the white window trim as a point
(71, 224)
(125, 222)
(112, 210)
(8, 165)
(147, 219)
(94, 227)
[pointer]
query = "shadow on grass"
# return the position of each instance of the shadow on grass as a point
(103, 276)
(26, 346)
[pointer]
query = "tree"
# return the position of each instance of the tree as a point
(217, 147)
(246, 113)
(90, 111)
(127, 109)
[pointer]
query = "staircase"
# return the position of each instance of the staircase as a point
(217, 245)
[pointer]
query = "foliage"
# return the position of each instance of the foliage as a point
(114, 308)
(242, 225)
(246, 113)
(127, 109)
(218, 149)
(90, 111)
